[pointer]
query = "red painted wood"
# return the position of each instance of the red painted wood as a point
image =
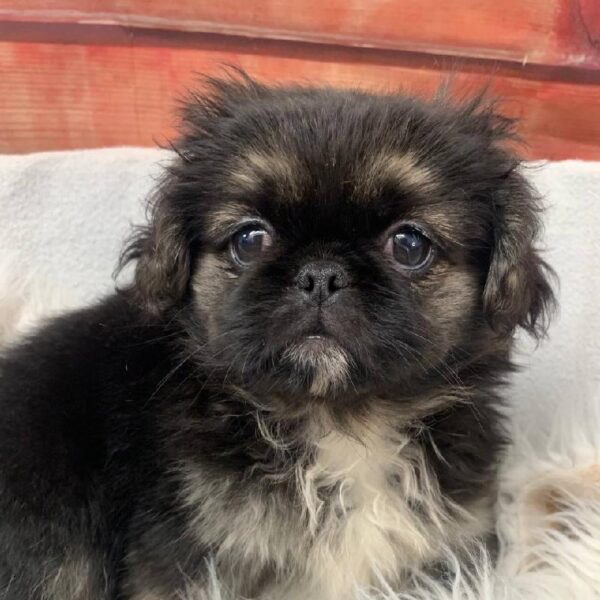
(56, 96)
(550, 32)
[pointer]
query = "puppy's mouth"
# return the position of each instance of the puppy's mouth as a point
(311, 343)
(318, 340)
(321, 360)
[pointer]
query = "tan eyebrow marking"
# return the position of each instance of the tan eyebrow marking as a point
(449, 221)
(257, 166)
(404, 168)
(226, 216)
(445, 220)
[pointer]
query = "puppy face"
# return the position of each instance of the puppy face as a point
(326, 244)
(323, 269)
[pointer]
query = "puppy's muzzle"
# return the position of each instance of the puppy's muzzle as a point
(320, 281)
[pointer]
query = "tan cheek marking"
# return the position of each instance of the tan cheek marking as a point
(209, 285)
(449, 297)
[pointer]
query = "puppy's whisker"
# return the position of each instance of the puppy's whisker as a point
(232, 363)
(150, 341)
(401, 345)
(429, 365)
(442, 365)
(243, 370)
(171, 373)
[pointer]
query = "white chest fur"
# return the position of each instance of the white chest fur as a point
(369, 509)
(383, 511)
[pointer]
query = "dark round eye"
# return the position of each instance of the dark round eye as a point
(410, 248)
(248, 244)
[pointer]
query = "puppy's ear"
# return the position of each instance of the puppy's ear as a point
(517, 290)
(162, 250)
(161, 254)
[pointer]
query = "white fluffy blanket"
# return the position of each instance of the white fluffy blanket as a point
(64, 215)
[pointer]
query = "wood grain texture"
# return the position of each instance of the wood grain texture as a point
(549, 32)
(56, 96)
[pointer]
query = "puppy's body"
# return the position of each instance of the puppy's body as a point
(120, 474)
(282, 398)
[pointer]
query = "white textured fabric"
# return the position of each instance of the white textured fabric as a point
(63, 217)
(566, 368)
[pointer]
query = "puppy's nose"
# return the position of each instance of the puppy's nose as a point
(319, 281)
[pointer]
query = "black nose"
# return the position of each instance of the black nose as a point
(319, 281)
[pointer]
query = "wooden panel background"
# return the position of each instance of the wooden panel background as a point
(84, 73)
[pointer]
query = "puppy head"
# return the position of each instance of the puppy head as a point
(325, 243)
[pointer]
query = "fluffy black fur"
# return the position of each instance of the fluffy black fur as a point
(104, 408)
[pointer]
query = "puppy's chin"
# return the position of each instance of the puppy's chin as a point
(321, 363)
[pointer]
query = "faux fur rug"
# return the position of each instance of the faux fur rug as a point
(63, 218)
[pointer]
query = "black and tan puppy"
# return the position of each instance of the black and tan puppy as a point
(297, 394)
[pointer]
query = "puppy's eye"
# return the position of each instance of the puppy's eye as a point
(410, 248)
(249, 243)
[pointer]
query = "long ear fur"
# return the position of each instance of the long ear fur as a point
(162, 255)
(517, 292)
(162, 250)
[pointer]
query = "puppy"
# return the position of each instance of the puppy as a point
(297, 395)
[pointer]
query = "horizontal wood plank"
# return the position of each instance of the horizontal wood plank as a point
(57, 96)
(549, 32)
